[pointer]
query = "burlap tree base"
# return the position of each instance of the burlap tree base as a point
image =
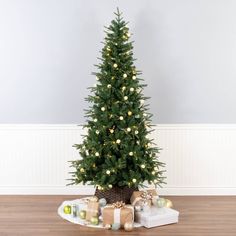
(116, 194)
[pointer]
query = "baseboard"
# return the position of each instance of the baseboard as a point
(87, 190)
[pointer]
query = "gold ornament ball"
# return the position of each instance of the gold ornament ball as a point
(131, 89)
(108, 172)
(115, 65)
(156, 168)
(136, 132)
(124, 75)
(109, 85)
(129, 113)
(131, 153)
(111, 131)
(82, 214)
(82, 170)
(97, 132)
(134, 77)
(128, 35)
(128, 226)
(128, 129)
(118, 141)
(67, 209)
(110, 186)
(134, 180)
(123, 88)
(125, 98)
(121, 118)
(107, 226)
(153, 172)
(143, 166)
(169, 203)
(103, 109)
(94, 220)
(95, 120)
(96, 154)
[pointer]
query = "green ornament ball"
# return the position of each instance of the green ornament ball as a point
(67, 209)
(115, 226)
(161, 202)
(102, 202)
(94, 220)
(82, 214)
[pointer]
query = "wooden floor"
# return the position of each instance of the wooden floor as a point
(37, 215)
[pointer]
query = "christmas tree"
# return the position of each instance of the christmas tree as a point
(117, 150)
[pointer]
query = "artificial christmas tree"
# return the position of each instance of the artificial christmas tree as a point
(117, 154)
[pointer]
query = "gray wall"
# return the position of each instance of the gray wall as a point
(186, 50)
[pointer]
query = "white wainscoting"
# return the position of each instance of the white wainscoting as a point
(200, 158)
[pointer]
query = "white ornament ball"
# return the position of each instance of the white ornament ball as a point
(108, 172)
(134, 180)
(136, 132)
(95, 120)
(103, 109)
(115, 65)
(131, 153)
(134, 77)
(125, 98)
(109, 85)
(131, 89)
(96, 154)
(97, 132)
(121, 118)
(128, 129)
(124, 75)
(143, 166)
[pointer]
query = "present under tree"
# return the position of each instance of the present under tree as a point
(117, 153)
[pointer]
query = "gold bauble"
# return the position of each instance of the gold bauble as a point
(125, 98)
(134, 180)
(169, 203)
(128, 129)
(124, 75)
(82, 214)
(111, 131)
(131, 153)
(94, 220)
(128, 226)
(143, 166)
(107, 226)
(108, 172)
(134, 77)
(129, 113)
(115, 65)
(82, 170)
(118, 141)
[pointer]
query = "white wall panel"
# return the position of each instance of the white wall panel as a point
(200, 159)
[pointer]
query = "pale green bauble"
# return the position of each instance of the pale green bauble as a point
(161, 202)
(67, 209)
(82, 214)
(102, 202)
(94, 220)
(115, 226)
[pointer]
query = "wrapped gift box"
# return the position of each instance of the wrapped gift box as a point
(92, 210)
(157, 217)
(139, 196)
(122, 215)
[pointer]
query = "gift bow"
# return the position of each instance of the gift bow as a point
(118, 205)
(146, 196)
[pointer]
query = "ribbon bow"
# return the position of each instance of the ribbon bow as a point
(118, 204)
(146, 196)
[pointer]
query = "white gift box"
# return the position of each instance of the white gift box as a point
(157, 217)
